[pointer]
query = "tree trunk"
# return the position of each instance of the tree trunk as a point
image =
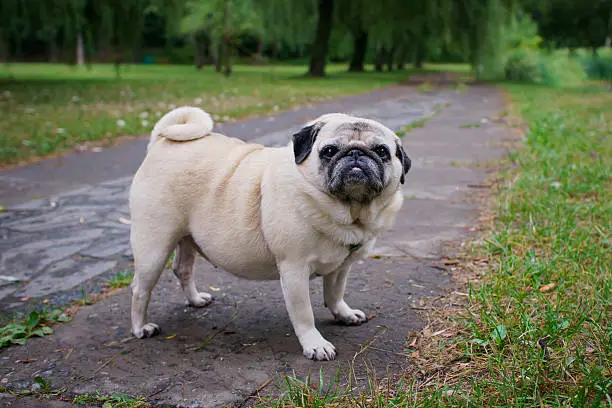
(80, 50)
(4, 57)
(390, 58)
(360, 46)
(420, 55)
(200, 39)
(101, 52)
(401, 58)
(608, 42)
(220, 51)
(228, 61)
(228, 40)
(52, 51)
(321, 44)
(117, 68)
(380, 58)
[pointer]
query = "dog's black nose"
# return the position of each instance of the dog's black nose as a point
(356, 153)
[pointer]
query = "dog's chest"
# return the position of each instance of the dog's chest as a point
(336, 257)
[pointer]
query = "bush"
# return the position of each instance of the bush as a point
(554, 69)
(522, 65)
(599, 67)
(560, 70)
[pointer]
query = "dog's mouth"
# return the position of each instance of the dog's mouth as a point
(356, 176)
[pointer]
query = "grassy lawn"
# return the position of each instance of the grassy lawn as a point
(533, 326)
(537, 329)
(49, 108)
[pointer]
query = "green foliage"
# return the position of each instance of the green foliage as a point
(599, 67)
(525, 62)
(121, 279)
(541, 68)
(35, 324)
(523, 65)
(571, 23)
(490, 64)
(45, 385)
(111, 401)
(522, 60)
(559, 70)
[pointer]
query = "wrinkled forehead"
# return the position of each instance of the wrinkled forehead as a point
(345, 128)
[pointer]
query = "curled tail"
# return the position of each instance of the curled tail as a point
(182, 124)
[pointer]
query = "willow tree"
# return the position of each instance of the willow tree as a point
(221, 22)
(320, 46)
(352, 13)
(15, 26)
(289, 22)
(50, 20)
(117, 25)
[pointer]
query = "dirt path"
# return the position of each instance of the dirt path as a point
(243, 339)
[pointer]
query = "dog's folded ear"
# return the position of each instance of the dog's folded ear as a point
(400, 153)
(304, 140)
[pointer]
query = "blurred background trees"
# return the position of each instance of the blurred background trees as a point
(498, 38)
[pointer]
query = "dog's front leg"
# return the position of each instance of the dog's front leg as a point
(296, 290)
(333, 293)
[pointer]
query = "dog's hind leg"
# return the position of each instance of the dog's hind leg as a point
(150, 256)
(182, 266)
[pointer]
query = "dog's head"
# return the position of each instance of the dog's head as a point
(353, 159)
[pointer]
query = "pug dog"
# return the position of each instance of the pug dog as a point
(311, 208)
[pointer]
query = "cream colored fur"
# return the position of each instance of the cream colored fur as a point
(252, 211)
(182, 124)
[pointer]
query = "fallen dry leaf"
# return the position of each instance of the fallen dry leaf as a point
(170, 337)
(371, 316)
(125, 221)
(214, 289)
(547, 288)
(438, 332)
(414, 341)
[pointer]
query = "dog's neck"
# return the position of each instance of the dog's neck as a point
(355, 211)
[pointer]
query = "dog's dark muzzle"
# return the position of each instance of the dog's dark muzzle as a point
(356, 174)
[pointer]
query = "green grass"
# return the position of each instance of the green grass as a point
(50, 108)
(111, 401)
(120, 280)
(538, 329)
(34, 324)
(419, 123)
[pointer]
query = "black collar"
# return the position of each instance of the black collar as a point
(355, 247)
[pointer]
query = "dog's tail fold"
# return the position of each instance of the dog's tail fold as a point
(182, 124)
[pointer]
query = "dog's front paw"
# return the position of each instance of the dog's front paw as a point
(345, 315)
(148, 330)
(317, 348)
(200, 299)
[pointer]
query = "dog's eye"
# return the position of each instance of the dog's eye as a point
(382, 151)
(329, 151)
